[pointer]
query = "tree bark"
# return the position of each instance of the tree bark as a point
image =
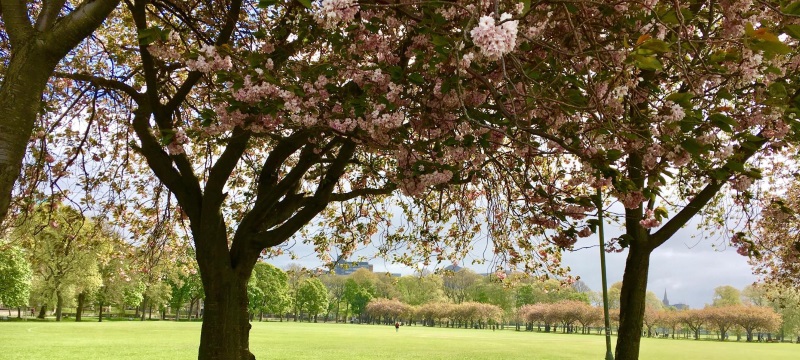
(79, 309)
(42, 312)
(59, 305)
(225, 333)
(100, 314)
(632, 302)
(144, 308)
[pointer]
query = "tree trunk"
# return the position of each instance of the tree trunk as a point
(42, 312)
(20, 101)
(225, 332)
(79, 309)
(144, 308)
(100, 315)
(59, 305)
(632, 302)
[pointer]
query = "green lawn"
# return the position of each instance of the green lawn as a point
(169, 340)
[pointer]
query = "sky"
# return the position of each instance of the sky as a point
(688, 268)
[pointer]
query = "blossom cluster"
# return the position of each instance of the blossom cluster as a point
(649, 220)
(495, 40)
(209, 60)
(175, 147)
(336, 11)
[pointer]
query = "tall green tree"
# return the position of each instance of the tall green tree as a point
(15, 277)
(726, 295)
(312, 298)
(269, 289)
(63, 247)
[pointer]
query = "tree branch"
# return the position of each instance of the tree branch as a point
(231, 19)
(67, 33)
(161, 164)
(49, 14)
(363, 192)
(16, 21)
(268, 177)
(223, 167)
(320, 200)
(747, 150)
(104, 83)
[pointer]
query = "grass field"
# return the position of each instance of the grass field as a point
(169, 340)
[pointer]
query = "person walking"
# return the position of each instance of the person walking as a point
(397, 327)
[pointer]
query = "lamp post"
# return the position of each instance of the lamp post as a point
(609, 355)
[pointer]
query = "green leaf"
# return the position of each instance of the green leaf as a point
(660, 213)
(778, 90)
(263, 4)
(625, 240)
(655, 45)
(793, 8)
(647, 62)
(681, 98)
(692, 146)
(416, 78)
(793, 30)
(613, 154)
(735, 166)
(306, 3)
(722, 121)
(151, 35)
(771, 47)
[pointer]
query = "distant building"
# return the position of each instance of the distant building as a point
(453, 268)
(347, 267)
(666, 303)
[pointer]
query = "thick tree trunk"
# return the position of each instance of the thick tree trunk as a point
(20, 102)
(632, 302)
(100, 314)
(42, 312)
(59, 305)
(79, 309)
(225, 332)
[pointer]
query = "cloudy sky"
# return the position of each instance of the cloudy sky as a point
(687, 266)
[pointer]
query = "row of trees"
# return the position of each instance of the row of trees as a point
(466, 314)
(58, 259)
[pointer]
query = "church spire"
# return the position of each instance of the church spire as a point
(665, 301)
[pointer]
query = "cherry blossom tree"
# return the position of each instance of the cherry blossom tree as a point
(31, 51)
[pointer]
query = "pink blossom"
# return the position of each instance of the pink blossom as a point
(336, 11)
(500, 274)
(649, 221)
(632, 200)
(495, 40)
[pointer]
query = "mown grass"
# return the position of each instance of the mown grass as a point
(170, 340)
